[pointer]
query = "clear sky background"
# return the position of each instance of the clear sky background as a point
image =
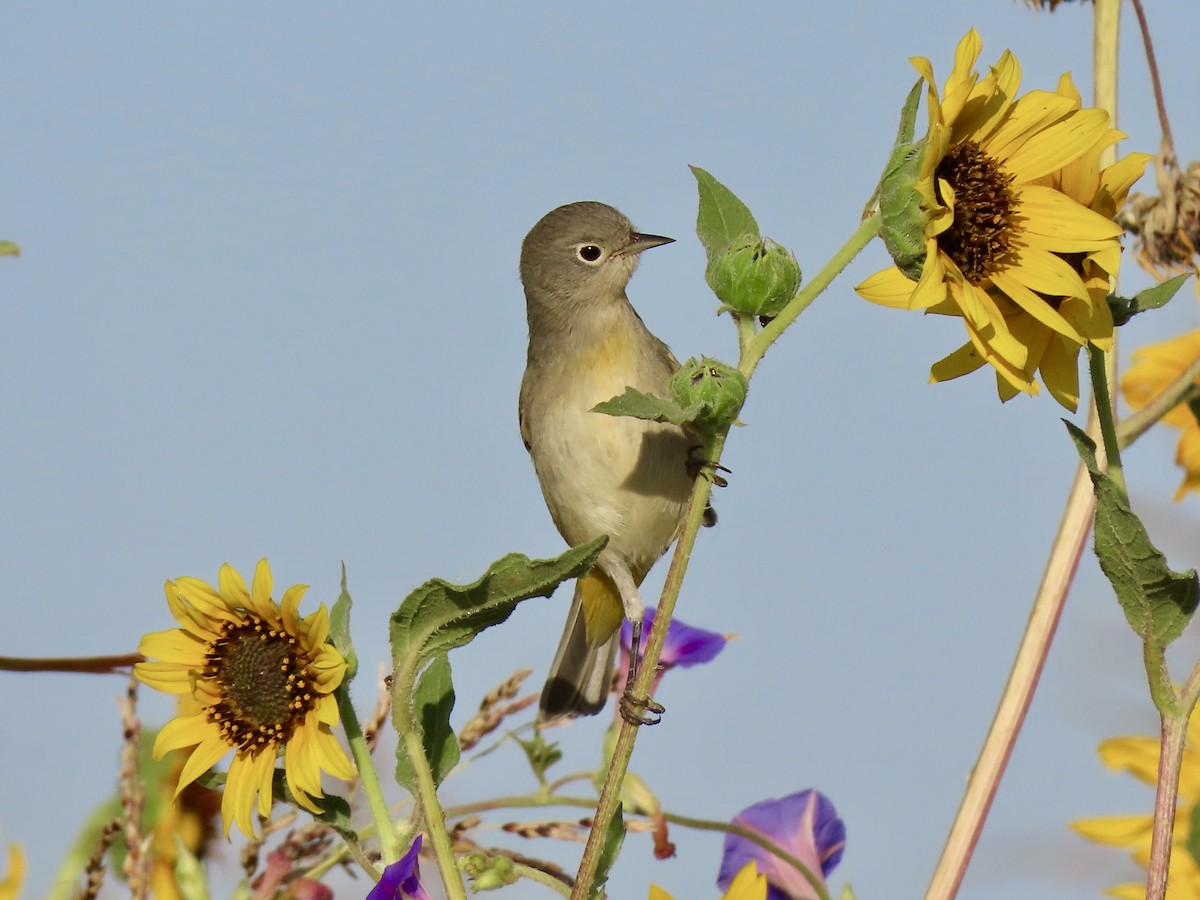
(268, 305)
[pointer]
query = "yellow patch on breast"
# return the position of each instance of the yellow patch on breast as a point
(610, 364)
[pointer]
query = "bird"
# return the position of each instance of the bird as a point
(626, 478)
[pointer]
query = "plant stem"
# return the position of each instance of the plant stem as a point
(1018, 693)
(1170, 760)
(610, 793)
(1180, 390)
(368, 778)
(431, 814)
(90, 665)
(754, 349)
(542, 878)
(1098, 364)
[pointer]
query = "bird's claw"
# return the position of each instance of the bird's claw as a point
(640, 710)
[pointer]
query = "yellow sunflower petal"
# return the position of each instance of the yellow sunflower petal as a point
(963, 361)
(1059, 144)
(332, 757)
(174, 646)
(990, 99)
(1035, 306)
(747, 884)
(327, 669)
(182, 731)
(206, 600)
(316, 624)
(1135, 754)
(206, 755)
(193, 620)
(170, 678)
(233, 588)
(1118, 178)
(1047, 274)
(1059, 369)
(1119, 831)
(288, 606)
(888, 288)
(984, 318)
(1073, 227)
(1027, 119)
(14, 878)
(657, 893)
(301, 769)
(260, 589)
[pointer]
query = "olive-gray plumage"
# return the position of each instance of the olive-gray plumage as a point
(617, 476)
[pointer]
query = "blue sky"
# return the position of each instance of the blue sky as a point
(268, 305)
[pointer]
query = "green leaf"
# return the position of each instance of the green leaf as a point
(542, 754)
(8, 248)
(908, 114)
(1125, 308)
(608, 853)
(433, 701)
(339, 629)
(722, 217)
(644, 406)
(903, 219)
(1157, 601)
(439, 616)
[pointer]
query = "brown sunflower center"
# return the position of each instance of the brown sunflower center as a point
(264, 691)
(984, 211)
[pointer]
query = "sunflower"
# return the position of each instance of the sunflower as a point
(1139, 756)
(1156, 366)
(264, 681)
(1018, 225)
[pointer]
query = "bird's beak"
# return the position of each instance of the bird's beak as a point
(639, 242)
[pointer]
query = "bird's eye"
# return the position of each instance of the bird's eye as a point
(589, 253)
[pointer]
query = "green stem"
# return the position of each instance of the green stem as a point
(368, 778)
(1181, 390)
(541, 800)
(1170, 762)
(610, 793)
(543, 878)
(1162, 692)
(754, 349)
(431, 813)
(1104, 410)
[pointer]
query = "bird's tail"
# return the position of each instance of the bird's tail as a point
(582, 672)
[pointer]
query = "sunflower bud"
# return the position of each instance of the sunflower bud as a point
(903, 225)
(754, 275)
(711, 391)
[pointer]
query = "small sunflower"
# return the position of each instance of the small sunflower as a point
(1156, 366)
(264, 681)
(1019, 231)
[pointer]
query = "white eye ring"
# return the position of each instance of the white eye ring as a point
(589, 254)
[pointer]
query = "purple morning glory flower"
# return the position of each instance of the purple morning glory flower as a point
(401, 880)
(685, 646)
(804, 824)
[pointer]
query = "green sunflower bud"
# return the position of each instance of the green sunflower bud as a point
(711, 391)
(754, 275)
(903, 219)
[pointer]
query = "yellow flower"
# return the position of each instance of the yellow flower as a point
(748, 884)
(10, 884)
(1019, 235)
(264, 680)
(1154, 368)
(1139, 756)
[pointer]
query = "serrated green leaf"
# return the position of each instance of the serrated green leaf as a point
(439, 616)
(1158, 602)
(721, 217)
(1125, 308)
(639, 405)
(8, 248)
(339, 629)
(433, 701)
